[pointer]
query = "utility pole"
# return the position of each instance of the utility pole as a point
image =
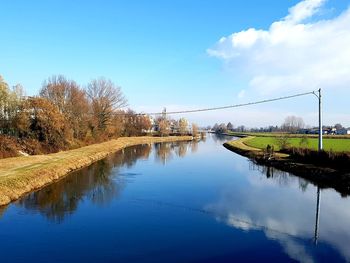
(320, 142)
(320, 130)
(320, 147)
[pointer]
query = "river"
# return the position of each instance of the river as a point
(177, 202)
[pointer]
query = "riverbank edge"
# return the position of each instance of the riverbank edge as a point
(22, 175)
(320, 176)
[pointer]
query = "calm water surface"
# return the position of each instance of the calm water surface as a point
(177, 202)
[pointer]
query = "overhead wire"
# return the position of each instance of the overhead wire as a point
(224, 107)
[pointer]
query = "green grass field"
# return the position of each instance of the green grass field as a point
(276, 134)
(337, 145)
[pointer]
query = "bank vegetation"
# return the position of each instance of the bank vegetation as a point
(325, 168)
(66, 115)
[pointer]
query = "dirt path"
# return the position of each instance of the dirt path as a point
(240, 145)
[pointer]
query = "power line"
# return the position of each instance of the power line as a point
(229, 106)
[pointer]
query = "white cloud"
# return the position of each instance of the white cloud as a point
(303, 10)
(292, 55)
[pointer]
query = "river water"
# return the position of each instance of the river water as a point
(177, 202)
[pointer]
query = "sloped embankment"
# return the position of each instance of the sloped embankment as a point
(20, 175)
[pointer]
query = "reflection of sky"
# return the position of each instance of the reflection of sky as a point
(285, 213)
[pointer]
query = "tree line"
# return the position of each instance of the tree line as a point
(66, 115)
(291, 124)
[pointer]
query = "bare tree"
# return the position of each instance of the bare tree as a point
(241, 128)
(183, 126)
(194, 129)
(293, 124)
(229, 126)
(10, 100)
(4, 95)
(56, 89)
(163, 127)
(338, 126)
(105, 99)
(77, 111)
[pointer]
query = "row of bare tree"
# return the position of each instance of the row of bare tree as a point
(65, 114)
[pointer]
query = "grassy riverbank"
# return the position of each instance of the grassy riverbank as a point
(242, 147)
(336, 143)
(325, 169)
(21, 175)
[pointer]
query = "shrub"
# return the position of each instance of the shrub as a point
(8, 147)
(283, 141)
(304, 141)
(337, 160)
(31, 146)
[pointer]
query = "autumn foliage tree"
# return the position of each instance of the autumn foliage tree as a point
(65, 115)
(71, 101)
(136, 124)
(41, 120)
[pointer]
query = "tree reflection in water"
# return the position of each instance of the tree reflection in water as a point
(3, 210)
(283, 178)
(220, 138)
(182, 149)
(164, 152)
(194, 146)
(96, 183)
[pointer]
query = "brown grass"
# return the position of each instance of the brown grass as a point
(20, 175)
(336, 160)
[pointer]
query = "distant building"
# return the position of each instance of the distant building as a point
(343, 131)
(325, 131)
(332, 131)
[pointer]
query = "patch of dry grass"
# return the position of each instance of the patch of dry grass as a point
(21, 175)
(241, 146)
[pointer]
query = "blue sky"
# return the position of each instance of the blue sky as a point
(157, 51)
